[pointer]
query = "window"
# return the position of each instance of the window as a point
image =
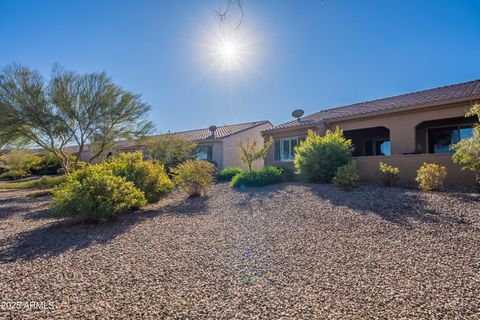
(204, 153)
(441, 139)
(284, 148)
(380, 147)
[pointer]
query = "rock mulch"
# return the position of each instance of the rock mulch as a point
(288, 251)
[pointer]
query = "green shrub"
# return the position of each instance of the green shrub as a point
(11, 175)
(318, 158)
(288, 174)
(148, 177)
(388, 174)
(430, 176)
(194, 177)
(467, 151)
(228, 173)
(49, 164)
(346, 177)
(258, 178)
(170, 149)
(95, 194)
(18, 164)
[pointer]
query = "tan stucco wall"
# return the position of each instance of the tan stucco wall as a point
(409, 164)
(403, 132)
(217, 153)
(231, 150)
(402, 124)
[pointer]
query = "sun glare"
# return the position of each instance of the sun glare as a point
(228, 51)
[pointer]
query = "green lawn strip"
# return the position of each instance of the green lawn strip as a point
(42, 183)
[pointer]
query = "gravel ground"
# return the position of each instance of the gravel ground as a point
(288, 251)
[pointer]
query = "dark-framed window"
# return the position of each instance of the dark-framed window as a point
(440, 140)
(284, 148)
(204, 153)
(377, 147)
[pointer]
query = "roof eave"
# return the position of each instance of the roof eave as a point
(294, 127)
(403, 109)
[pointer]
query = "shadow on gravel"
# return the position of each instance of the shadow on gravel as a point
(397, 205)
(187, 207)
(465, 197)
(56, 238)
(10, 206)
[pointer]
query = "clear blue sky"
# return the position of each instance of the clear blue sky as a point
(307, 54)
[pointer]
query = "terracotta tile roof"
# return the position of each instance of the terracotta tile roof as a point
(445, 94)
(204, 134)
(222, 132)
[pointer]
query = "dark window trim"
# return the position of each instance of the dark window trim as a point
(427, 139)
(375, 140)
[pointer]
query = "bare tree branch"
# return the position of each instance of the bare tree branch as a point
(226, 15)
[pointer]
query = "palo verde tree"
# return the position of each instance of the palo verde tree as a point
(249, 152)
(170, 149)
(69, 109)
(467, 151)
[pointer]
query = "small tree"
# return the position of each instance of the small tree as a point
(170, 149)
(319, 157)
(467, 152)
(70, 108)
(249, 152)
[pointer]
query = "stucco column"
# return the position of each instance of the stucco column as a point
(402, 138)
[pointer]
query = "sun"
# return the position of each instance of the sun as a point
(225, 50)
(229, 52)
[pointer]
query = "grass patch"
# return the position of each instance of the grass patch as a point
(42, 183)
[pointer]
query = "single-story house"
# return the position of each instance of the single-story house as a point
(404, 131)
(219, 145)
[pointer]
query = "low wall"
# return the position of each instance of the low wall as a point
(409, 164)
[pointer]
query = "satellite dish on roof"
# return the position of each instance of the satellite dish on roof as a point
(212, 129)
(297, 114)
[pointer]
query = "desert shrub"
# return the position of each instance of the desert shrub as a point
(318, 157)
(346, 177)
(430, 176)
(288, 174)
(467, 151)
(95, 194)
(170, 149)
(258, 178)
(388, 174)
(228, 173)
(148, 177)
(194, 177)
(49, 164)
(18, 164)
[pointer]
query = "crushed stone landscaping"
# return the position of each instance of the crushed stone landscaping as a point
(292, 251)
